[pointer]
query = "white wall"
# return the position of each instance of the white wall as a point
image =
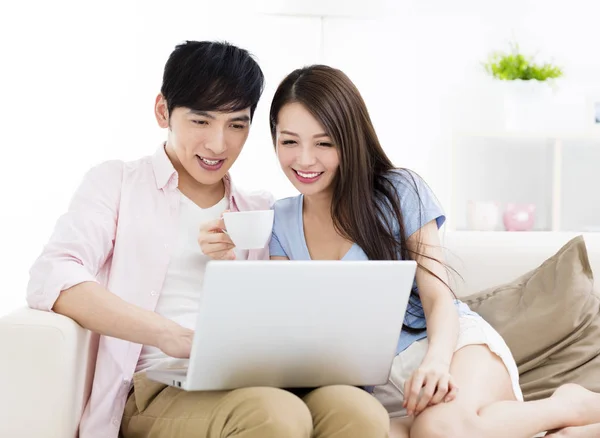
(79, 80)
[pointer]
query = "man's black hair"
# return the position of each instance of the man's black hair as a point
(212, 76)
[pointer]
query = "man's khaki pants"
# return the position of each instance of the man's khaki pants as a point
(154, 410)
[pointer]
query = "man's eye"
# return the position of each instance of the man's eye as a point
(200, 122)
(238, 126)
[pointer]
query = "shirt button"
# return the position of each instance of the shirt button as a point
(166, 245)
(125, 382)
(115, 421)
(153, 293)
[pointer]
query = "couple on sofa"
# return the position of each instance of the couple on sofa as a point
(128, 257)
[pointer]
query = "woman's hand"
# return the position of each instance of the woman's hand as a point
(432, 383)
(429, 385)
(215, 242)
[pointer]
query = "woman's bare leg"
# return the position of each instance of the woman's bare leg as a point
(590, 431)
(486, 407)
(399, 427)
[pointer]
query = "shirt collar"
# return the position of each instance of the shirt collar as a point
(164, 172)
(166, 176)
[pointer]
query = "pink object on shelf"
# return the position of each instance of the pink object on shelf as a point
(519, 217)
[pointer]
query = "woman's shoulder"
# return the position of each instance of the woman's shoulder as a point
(288, 206)
(286, 239)
(418, 203)
(409, 185)
(286, 214)
(404, 179)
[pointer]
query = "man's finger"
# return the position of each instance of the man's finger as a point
(214, 238)
(218, 226)
(223, 254)
(215, 248)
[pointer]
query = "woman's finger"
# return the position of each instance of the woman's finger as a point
(429, 390)
(441, 390)
(407, 385)
(452, 391)
(414, 391)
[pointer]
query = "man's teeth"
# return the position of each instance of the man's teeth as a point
(211, 162)
(308, 175)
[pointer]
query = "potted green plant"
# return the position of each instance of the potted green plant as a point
(528, 88)
(513, 66)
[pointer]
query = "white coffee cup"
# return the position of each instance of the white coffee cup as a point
(249, 229)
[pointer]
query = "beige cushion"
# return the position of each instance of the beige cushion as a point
(550, 319)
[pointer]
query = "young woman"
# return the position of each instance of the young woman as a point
(457, 378)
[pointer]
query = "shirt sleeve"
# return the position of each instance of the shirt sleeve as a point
(418, 203)
(82, 240)
(275, 246)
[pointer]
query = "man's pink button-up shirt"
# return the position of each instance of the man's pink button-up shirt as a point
(118, 231)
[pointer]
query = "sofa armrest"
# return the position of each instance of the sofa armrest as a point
(46, 369)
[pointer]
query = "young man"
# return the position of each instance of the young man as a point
(124, 262)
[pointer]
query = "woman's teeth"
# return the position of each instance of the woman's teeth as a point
(308, 175)
(210, 162)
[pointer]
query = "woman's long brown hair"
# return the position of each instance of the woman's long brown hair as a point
(365, 205)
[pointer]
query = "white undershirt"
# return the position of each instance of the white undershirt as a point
(182, 289)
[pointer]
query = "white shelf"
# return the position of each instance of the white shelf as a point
(578, 135)
(481, 171)
(557, 184)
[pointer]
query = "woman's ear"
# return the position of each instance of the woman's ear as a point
(161, 111)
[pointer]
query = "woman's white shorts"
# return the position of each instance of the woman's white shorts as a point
(474, 330)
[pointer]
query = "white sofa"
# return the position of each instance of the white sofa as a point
(47, 360)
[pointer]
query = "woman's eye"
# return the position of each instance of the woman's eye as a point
(288, 142)
(324, 144)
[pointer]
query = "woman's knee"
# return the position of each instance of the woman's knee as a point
(347, 411)
(266, 413)
(439, 422)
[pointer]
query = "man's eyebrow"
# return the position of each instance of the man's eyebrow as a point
(202, 113)
(241, 118)
(244, 118)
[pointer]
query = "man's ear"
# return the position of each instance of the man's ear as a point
(161, 111)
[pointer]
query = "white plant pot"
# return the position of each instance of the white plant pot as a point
(528, 105)
(483, 216)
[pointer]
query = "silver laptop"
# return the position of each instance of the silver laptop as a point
(295, 324)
